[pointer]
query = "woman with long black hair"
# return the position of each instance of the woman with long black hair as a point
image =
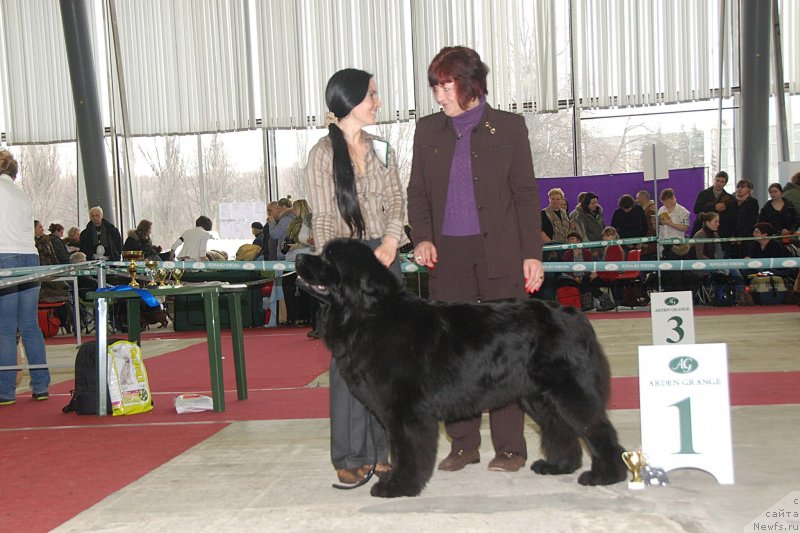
(355, 191)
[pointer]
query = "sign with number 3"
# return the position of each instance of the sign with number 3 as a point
(672, 315)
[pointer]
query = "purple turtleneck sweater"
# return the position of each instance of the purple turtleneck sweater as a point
(460, 210)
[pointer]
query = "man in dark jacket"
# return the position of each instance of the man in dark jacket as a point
(100, 232)
(716, 199)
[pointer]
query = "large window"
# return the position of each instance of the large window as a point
(596, 82)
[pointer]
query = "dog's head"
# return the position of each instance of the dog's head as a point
(347, 272)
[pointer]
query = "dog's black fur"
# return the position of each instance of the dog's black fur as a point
(414, 362)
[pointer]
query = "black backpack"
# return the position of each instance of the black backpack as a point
(85, 396)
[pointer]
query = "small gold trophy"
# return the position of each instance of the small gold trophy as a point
(132, 256)
(635, 461)
(177, 274)
(150, 271)
(161, 276)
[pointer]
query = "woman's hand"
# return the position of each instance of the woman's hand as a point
(387, 251)
(533, 271)
(425, 254)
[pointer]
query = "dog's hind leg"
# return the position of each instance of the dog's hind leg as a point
(585, 413)
(560, 445)
(607, 465)
(412, 441)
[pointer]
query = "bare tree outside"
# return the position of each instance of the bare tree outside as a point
(166, 196)
(215, 181)
(292, 180)
(48, 184)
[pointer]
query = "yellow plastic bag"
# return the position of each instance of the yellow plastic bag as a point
(128, 386)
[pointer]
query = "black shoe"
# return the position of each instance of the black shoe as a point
(312, 334)
(41, 396)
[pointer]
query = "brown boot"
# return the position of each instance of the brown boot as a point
(349, 475)
(382, 470)
(459, 459)
(507, 462)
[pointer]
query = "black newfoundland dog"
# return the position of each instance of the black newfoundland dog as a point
(414, 362)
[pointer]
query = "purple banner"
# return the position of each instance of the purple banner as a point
(686, 182)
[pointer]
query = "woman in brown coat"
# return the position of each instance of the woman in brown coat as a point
(474, 215)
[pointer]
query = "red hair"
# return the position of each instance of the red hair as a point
(462, 66)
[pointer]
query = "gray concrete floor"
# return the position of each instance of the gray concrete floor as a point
(276, 475)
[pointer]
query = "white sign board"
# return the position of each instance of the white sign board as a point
(654, 161)
(685, 408)
(672, 317)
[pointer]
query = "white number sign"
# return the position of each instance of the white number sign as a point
(685, 408)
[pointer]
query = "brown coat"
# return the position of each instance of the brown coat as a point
(505, 187)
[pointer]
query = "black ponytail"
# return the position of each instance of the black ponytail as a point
(345, 90)
(344, 183)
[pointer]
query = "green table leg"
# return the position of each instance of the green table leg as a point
(237, 337)
(211, 303)
(134, 321)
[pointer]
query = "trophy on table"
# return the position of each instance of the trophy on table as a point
(177, 274)
(161, 277)
(150, 267)
(132, 256)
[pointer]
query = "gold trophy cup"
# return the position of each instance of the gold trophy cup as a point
(161, 276)
(635, 461)
(132, 256)
(177, 274)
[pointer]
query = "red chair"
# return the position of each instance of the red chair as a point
(630, 277)
(48, 322)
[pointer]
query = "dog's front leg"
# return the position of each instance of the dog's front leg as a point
(412, 441)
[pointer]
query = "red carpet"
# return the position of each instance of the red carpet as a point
(54, 465)
(50, 476)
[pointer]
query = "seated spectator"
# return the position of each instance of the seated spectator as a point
(73, 240)
(100, 239)
(779, 212)
(257, 228)
(763, 247)
(192, 245)
(47, 255)
(579, 255)
(629, 219)
(50, 291)
(56, 240)
(139, 239)
(599, 282)
(709, 230)
(589, 222)
(673, 221)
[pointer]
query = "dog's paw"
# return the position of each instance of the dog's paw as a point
(387, 489)
(592, 478)
(544, 468)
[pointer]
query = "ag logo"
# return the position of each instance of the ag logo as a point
(671, 301)
(683, 365)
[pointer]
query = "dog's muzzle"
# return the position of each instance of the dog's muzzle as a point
(314, 289)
